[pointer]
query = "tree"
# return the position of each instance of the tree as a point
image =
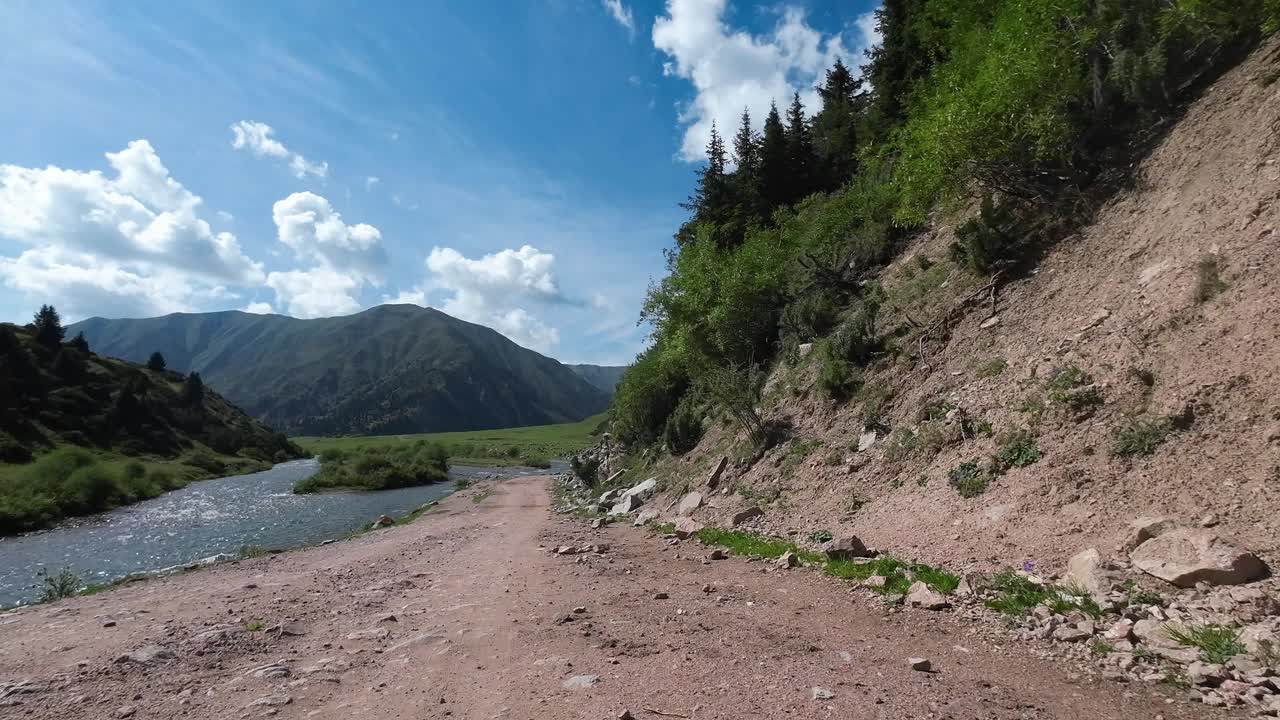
(80, 343)
(70, 364)
(800, 158)
(156, 362)
(835, 127)
(897, 63)
(712, 201)
(773, 160)
(193, 389)
(49, 330)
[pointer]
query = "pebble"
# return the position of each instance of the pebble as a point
(660, 596)
(820, 693)
(920, 664)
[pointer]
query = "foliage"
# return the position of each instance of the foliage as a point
(1017, 449)
(992, 368)
(684, 428)
(820, 536)
(1019, 595)
(155, 362)
(969, 479)
(48, 327)
(837, 379)
(750, 544)
(588, 471)
(1209, 282)
(898, 575)
(380, 467)
(1139, 436)
(56, 587)
(1216, 643)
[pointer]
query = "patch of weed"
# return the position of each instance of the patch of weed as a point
(741, 542)
(64, 584)
(1017, 449)
(663, 528)
(1018, 595)
(992, 368)
(835, 457)
(1216, 643)
(969, 479)
(254, 625)
(820, 536)
(1139, 436)
(1098, 647)
(247, 552)
(1209, 282)
(898, 575)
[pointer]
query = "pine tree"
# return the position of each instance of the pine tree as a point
(773, 160)
(711, 201)
(800, 157)
(895, 64)
(49, 330)
(193, 389)
(79, 343)
(835, 127)
(156, 362)
(746, 179)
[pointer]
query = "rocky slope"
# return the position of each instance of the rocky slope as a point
(389, 369)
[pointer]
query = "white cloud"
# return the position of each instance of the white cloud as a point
(225, 216)
(370, 181)
(259, 308)
(132, 243)
(344, 257)
(621, 14)
(256, 137)
(732, 69)
(493, 290)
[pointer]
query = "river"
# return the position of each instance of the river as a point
(205, 520)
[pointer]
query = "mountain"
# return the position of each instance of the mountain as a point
(389, 369)
(81, 432)
(602, 377)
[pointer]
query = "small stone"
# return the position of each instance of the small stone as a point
(743, 516)
(718, 554)
(685, 527)
(384, 521)
(660, 596)
(787, 560)
(866, 440)
(389, 617)
(920, 664)
(626, 715)
(820, 693)
(922, 596)
(126, 711)
(846, 548)
(597, 523)
(1122, 630)
(1070, 633)
(875, 581)
(689, 504)
(578, 682)
(374, 634)
(708, 588)
(109, 624)
(990, 322)
(645, 517)
(272, 700)
(1200, 674)
(580, 609)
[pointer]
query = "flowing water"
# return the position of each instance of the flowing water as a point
(208, 520)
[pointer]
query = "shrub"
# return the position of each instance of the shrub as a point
(1216, 643)
(12, 451)
(1017, 449)
(586, 470)
(837, 379)
(1138, 436)
(56, 587)
(990, 240)
(1019, 595)
(992, 368)
(205, 461)
(684, 428)
(1209, 282)
(969, 480)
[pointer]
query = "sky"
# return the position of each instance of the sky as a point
(516, 164)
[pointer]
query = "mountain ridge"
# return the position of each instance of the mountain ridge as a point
(388, 369)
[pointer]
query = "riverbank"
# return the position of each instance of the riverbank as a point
(493, 624)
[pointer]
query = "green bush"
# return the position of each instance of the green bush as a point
(1017, 449)
(383, 467)
(837, 379)
(1139, 436)
(969, 479)
(684, 428)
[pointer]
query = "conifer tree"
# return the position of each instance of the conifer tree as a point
(800, 158)
(156, 362)
(773, 160)
(835, 127)
(79, 343)
(746, 179)
(49, 330)
(711, 201)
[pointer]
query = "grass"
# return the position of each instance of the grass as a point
(663, 528)
(969, 479)
(1209, 282)
(509, 446)
(1072, 388)
(55, 587)
(898, 574)
(377, 467)
(1139, 436)
(992, 368)
(248, 552)
(482, 496)
(1216, 643)
(1018, 595)
(254, 626)
(1017, 449)
(748, 544)
(1098, 647)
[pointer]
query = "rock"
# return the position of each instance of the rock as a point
(609, 496)
(1071, 633)
(1186, 556)
(1096, 319)
(1202, 674)
(803, 349)
(823, 694)
(578, 682)
(599, 548)
(626, 504)
(660, 596)
(1143, 529)
(293, 629)
(273, 700)
(645, 517)
(922, 596)
(599, 523)
(384, 521)
(743, 516)
(866, 440)
(146, 655)
(274, 671)
(566, 550)
(643, 491)
(1258, 638)
(990, 322)
(689, 504)
(1088, 570)
(718, 554)
(846, 548)
(1154, 634)
(109, 624)
(788, 559)
(686, 527)
(714, 480)
(1122, 630)
(626, 715)
(126, 711)
(580, 610)
(372, 634)
(875, 581)
(919, 664)
(389, 617)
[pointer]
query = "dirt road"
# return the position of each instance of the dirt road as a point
(465, 614)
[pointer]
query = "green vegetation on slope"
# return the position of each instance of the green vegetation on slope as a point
(81, 433)
(530, 446)
(390, 369)
(1031, 110)
(378, 467)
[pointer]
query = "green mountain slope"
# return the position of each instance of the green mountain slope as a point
(389, 369)
(81, 432)
(602, 377)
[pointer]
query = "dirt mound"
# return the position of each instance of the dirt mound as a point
(1156, 328)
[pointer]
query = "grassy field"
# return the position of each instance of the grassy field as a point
(509, 446)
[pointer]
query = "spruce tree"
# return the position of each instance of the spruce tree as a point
(773, 161)
(156, 362)
(895, 64)
(49, 330)
(710, 201)
(193, 389)
(800, 157)
(80, 343)
(746, 179)
(835, 127)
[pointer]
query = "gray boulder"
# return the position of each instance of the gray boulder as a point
(645, 517)
(1187, 556)
(626, 504)
(689, 504)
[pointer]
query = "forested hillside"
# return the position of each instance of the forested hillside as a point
(1014, 119)
(389, 369)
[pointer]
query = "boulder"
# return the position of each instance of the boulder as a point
(1187, 556)
(626, 504)
(689, 504)
(643, 491)
(846, 548)
(609, 496)
(383, 521)
(920, 664)
(803, 349)
(743, 516)
(714, 480)
(1143, 529)
(922, 596)
(866, 440)
(1087, 570)
(1154, 635)
(645, 517)
(1203, 674)
(685, 527)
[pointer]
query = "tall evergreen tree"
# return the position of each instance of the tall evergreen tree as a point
(80, 343)
(800, 157)
(895, 64)
(746, 179)
(156, 361)
(193, 389)
(835, 127)
(49, 330)
(774, 181)
(711, 200)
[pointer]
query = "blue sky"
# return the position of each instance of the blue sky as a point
(516, 164)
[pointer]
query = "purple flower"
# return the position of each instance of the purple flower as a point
(1028, 566)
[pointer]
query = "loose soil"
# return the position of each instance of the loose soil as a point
(484, 627)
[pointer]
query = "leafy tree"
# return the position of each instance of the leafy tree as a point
(48, 325)
(156, 362)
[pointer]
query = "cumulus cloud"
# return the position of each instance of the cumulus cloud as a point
(732, 69)
(370, 181)
(621, 14)
(129, 243)
(493, 290)
(259, 308)
(256, 138)
(343, 257)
